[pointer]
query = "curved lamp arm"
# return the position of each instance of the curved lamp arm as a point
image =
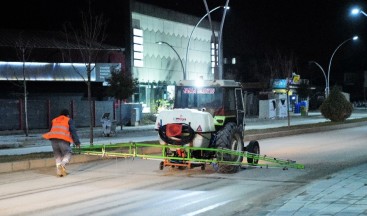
(328, 72)
(174, 50)
(188, 43)
(326, 79)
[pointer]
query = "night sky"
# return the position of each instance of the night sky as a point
(311, 29)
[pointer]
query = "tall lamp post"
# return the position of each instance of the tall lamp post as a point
(357, 11)
(328, 73)
(220, 46)
(326, 78)
(183, 69)
(197, 24)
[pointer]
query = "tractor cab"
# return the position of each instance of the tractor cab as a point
(223, 99)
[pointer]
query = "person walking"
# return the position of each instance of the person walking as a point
(63, 133)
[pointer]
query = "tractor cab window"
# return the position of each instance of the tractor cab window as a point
(198, 97)
(229, 96)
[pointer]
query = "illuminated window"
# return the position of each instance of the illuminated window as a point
(138, 63)
(138, 55)
(138, 47)
(214, 55)
(138, 40)
(138, 32)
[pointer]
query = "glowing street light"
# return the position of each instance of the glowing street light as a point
(183, 69)
(328, 73)
(356, 11)
(197, 24)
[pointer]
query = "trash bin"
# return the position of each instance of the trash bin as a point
(304, 111)
(303, 108)
(135, 116)
(297, 108)
(108, 126)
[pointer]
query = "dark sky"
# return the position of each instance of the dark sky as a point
(311, 29)
(302, 26)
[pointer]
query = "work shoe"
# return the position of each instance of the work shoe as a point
(63, 170)
(59, 170)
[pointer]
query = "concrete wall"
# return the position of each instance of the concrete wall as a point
(10, 115)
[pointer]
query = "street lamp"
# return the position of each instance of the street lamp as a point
(183, 70)
(328, 73)
(188, 43)
(326, 78)
(220, 51)
(356, 11)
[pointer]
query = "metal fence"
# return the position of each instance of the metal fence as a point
(41, 112)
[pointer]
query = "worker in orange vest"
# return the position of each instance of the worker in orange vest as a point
(62, 134)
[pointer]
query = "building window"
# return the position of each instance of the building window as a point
(138, 47)
(214, 56)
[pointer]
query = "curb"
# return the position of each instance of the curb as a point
(301, 131)
(42, 163)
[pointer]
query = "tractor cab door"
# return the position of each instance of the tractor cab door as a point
(240, 107)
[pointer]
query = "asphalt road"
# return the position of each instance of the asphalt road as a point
(137, 187)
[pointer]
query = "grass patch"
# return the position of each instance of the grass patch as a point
(31, 156)
(303, 126)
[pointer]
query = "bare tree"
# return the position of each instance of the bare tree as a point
(89, 38)
(23, 49)
(255, 70)
(282, 66)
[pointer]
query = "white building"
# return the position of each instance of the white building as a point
(160, 65)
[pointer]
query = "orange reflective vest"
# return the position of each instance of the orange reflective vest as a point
(59, 129)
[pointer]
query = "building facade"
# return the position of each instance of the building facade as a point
(166, 47)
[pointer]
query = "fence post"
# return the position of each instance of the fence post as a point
(21, 114)
(114, 106)
(94, 113)
(72, 107)
(48, 104)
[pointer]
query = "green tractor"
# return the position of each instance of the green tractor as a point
(207, 114)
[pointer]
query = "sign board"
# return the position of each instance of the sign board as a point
(279, 84)
(296, 79)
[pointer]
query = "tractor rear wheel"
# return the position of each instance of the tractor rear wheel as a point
(254, 148)
(229, 138)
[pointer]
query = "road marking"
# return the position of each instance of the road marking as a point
(207, 208)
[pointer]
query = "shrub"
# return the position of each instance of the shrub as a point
(336, 107)
(148, 118)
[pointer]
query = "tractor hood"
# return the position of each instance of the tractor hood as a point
(200, 121)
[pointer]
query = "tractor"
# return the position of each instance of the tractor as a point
(207, 114)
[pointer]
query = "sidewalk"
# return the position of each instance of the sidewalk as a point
(345, 193)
